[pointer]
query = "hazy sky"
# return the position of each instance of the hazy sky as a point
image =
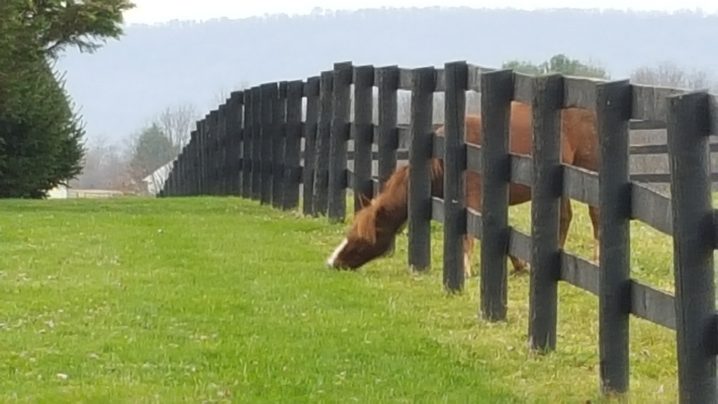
(152, 11)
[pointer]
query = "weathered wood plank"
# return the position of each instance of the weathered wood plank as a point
(523, 88)
(292, 166)
(386, 139)
(419, 209)
(580, 92)
(521, 169)
(693, 232)
(519, 244)
(268, 96)
(256, 143)
(438, 211)
(322, 146)
(279, 117)
(440, 80)
(247, 144)
(581, 184)
(439, 148)
(650, 103)
(474, 223)
(580, 273)
(497, 90)
(473, 157)
(362, 133)
(653, 305)
(405, 79)
(613, 110)
(340, 130)
(545, 204)
(660, 149)
(311, 88)
(474, 79)
(454, 156)
(651, 208)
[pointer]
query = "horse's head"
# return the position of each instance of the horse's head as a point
(369, 237)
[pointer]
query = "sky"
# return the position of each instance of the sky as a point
(159, 11)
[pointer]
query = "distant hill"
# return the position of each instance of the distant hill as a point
(129, 81)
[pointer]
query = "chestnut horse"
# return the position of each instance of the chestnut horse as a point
(376, 223)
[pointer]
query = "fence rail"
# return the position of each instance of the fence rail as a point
(257, 145)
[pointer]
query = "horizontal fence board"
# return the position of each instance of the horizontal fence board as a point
(523, 88)
(405, 77)
(519, 244)
(651, 208)
(473, 157)
(521, 169)
(659, 149)
(437, 209)
(310, 88)
(646, 124)
(474, 79)
(474, 223)
(579, 92)
(440, 81)
(653, 305)
(652, 178)
(580, 184)
(438, 146)
(649, 103)
(401, 132)
(579, 272)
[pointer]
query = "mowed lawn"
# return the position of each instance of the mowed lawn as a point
(220, 299)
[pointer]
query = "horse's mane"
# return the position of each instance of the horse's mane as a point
(392, 201)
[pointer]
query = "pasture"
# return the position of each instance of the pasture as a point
(219, 299)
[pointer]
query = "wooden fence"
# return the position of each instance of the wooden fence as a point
(274, 140)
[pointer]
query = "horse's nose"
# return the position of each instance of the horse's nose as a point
(332, 260)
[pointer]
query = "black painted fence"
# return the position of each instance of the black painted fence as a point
(252, 147)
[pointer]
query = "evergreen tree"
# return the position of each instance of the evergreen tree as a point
(40, 135)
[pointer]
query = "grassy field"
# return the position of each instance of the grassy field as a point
(212, 300)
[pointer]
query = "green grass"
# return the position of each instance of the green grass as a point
(219, 299)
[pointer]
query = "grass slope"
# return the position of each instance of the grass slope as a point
(204, 299)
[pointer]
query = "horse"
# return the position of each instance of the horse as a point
(378, 220)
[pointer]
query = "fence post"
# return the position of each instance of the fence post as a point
(456, 75)
(321, 158)
(497, 90)
(279, 116)
(311, 89)
(237, 134)
(268, 97)
(215, 157)
(211, 152)
(363, 134)
(693, 244)
(387, 138)
(613, 112)
(256, 143)
(341, 108)
(203, 151)
(420, 153)
(547, 183)
(292, 168)
(192, 166)
(247, 145)
(222, 150)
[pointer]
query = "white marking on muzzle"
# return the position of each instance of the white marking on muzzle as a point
(335, 254)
